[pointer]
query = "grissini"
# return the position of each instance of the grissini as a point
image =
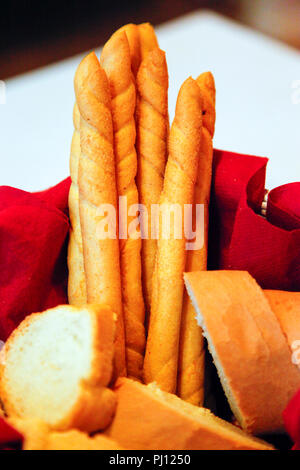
(147, 418)
(161, 357)
(148, 39)
(115, 59)
(248, 347)
(76, 279)
(152, 136)
(141, 39)
(97, 186)
(133, 36)
(190, 385)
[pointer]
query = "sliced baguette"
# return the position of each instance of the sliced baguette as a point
(56, 365)
(247, 345)
(147, 418)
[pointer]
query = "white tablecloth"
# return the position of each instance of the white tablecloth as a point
(258, 110)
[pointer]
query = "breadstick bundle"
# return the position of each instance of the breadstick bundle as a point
(122, 155)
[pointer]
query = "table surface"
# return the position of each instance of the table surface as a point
(258, 102)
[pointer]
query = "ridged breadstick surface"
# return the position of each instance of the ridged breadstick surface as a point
(148, 39)
(191, 364)
(152, 135)
(141, 39)
(115, 59)
(161, 358)
(76, 279)
(132, 32)
(97, 186)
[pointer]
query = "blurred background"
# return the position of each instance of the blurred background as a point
(35, 33)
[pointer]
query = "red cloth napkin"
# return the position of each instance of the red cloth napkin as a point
(10, 439)
(33, 269)
(241, 238)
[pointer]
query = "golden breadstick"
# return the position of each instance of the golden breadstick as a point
(148, 39)
(133, 36)
(97, 186)
(167, 290)
(151, 145)
(115, 59)
(141, 39)
(190, 386)
(76, 279)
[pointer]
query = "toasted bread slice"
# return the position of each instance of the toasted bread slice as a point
(148, 418)
(56, 365)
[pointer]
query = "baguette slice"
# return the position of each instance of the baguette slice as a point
(248, 347)
(56, 365)
(147, 419)
(286, 306)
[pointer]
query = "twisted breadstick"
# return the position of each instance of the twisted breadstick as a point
(148, 39)
(97, 186)
(76, 280)
(133, 37)
(115, 59)
(167, 290)
(190, 386)
(151, 145)
(141, 39)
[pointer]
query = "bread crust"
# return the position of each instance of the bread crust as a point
(76, 278)
(97, 186)
(248, 347)
(286, 306)
(76, 440)
(115, 59)
(190, 385)
(38, 436)
(145, 420)
(152, 142)
(161, 357)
